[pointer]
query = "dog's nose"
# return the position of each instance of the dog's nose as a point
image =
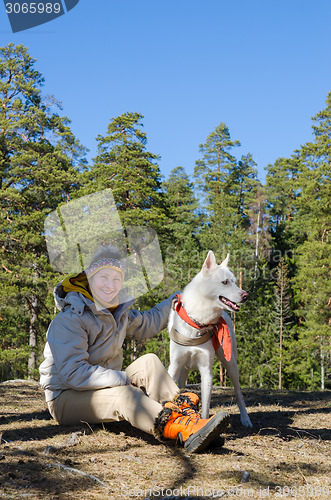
(244, 296)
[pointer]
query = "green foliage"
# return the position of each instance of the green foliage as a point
(181, 246)
(39, 163)
(124, 165)
(229, 189)
(304, 227)
(277, 234)
(254, 332)
(160, 346)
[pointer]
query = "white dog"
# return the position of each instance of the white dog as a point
(199, 327)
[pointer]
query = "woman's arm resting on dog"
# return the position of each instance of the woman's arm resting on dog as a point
(147, 324)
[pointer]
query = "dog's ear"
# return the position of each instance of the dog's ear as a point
(225, 261)
(209, 264)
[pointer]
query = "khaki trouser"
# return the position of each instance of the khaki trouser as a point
(138, 403)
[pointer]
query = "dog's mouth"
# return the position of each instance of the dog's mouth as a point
(231, 305)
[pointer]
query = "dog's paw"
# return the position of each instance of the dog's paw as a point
(245, 420)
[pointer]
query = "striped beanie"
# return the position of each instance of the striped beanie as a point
(102, 263)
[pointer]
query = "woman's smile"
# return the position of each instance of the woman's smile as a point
(106, 283)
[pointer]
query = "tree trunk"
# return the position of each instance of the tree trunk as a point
(322, 367)
(222, 376)
(257, 243)
(32, 337)
(280, 340)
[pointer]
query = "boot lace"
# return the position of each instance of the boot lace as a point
(188, 412)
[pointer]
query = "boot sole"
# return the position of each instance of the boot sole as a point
(200, 440)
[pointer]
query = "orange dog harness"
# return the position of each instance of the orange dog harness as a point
(220, 336)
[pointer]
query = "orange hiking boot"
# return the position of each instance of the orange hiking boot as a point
(187, 400)
(188, 428)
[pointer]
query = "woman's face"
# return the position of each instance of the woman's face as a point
(106, 283)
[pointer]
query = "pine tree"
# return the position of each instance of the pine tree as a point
(228, 187)
(212, 176)
(312, 294)
(39, 163)
(312, 279)
(243, 188)
(298, 193)
(259, 235)
(283, 312)
(283, 191)
(182, 251)
(254, 331)
(124, 165)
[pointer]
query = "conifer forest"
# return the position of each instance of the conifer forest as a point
(277, 232)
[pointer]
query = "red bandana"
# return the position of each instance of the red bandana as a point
(221, 336)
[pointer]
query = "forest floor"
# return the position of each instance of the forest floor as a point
(287, 454)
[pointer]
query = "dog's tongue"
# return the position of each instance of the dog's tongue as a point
(229, 303)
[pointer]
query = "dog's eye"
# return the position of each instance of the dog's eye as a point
(226, 282)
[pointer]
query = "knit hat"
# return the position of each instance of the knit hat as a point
(105, 263)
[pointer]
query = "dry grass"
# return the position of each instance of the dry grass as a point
(287, 454)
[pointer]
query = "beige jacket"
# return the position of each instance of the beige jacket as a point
(84, 344)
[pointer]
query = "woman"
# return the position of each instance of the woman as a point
(82, 372)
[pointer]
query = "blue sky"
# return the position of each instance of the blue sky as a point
(261, 66)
